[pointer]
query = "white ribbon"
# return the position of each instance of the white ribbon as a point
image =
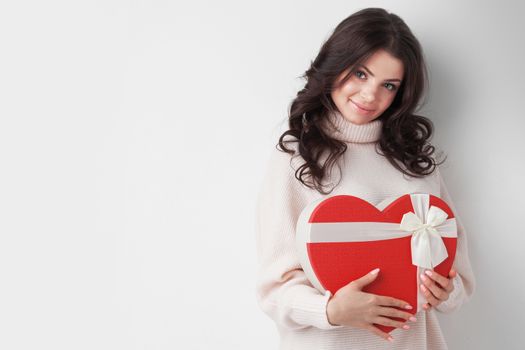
(428, 248)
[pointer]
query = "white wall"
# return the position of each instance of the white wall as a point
(133, 138)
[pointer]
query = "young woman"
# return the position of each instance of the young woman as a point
(352, 130)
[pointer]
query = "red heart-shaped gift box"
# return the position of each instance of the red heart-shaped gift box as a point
(338, 241)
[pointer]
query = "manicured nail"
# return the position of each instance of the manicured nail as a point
(428, 272)
(390, 339)
(408, 307)
(406, 327)
(423, 278)
(375, 271)
(413, 319)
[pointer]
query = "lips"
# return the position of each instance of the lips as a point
(362, 107)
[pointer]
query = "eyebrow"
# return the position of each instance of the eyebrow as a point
(372, 74)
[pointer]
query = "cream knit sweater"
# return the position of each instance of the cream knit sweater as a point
(283, 291)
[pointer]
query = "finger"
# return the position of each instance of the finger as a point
(385, 321)
(392, 312)
(380, 333)
(452, 274)
(389, 301)
(435, 289)
(429, 296)
(427, 306)
(366, 279)
(442, 281)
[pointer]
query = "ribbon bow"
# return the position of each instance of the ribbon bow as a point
(428, 249)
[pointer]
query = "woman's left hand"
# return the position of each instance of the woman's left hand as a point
(436, 288)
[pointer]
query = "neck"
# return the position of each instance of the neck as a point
(342, 129)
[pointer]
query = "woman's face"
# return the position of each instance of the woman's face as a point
(372, 87)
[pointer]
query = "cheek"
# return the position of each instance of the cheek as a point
(387, 101)
(340, 95)
(349, 89)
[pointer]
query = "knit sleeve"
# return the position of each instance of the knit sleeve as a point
(464, 282)
(283, 291)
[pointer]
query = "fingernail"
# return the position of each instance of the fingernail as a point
(413, 319)
(375, 271)
(423, 288)
(390, 339)
(406, 327)
(408, 307)
(428, 273)
(423, 278)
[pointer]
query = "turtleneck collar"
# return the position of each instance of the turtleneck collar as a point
(347, 131)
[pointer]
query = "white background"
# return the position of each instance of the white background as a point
(133, 139)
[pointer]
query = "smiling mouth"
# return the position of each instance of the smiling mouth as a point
(361, 108)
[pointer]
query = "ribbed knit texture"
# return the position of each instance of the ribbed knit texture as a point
(283, 290)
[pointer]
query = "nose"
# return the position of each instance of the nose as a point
(368, 93)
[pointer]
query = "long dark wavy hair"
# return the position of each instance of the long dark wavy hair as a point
(404, 137)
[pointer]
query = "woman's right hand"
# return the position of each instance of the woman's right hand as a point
(350, 306)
